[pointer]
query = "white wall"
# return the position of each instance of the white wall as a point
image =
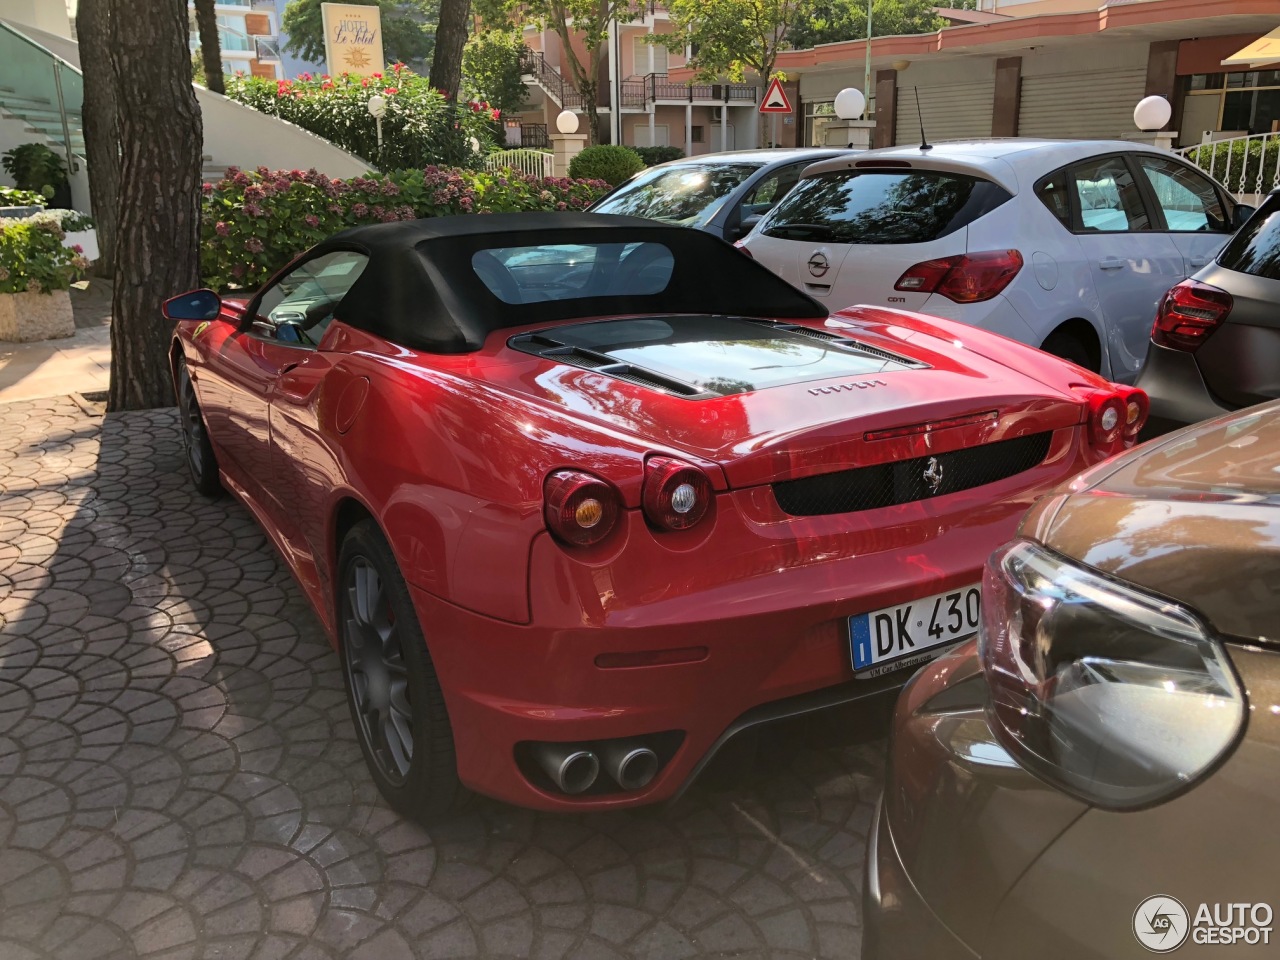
(49, 15)
(238, 135)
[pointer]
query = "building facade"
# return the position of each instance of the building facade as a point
(639, 103)
(1056, 68)
(248, 32)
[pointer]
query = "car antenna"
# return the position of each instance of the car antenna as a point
(924, 144)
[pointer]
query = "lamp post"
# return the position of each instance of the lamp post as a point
(866, 77)
(1151, 116)
(847, 130)
(377, 107)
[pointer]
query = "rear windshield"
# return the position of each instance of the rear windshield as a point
(1256, 248)
(688, 195)
(569, 271)
(882, 206)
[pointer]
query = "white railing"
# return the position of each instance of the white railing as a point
(1248, 166)
(533, 163)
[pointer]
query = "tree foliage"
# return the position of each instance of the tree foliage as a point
(583, 28)
(491, 68)
(732, 37)
(831, 21)
(408, 28)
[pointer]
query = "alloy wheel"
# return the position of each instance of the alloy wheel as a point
(378, 674)
(192, 424)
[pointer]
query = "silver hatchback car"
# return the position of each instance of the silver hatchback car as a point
(1067, 245)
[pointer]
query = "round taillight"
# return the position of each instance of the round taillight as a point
(1107, 418)
(676, 494)
(579, 509)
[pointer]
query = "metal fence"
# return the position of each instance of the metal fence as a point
(533, 163)
(1247, 166)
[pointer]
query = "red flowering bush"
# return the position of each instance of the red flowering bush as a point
(420, 127)
(254, 223)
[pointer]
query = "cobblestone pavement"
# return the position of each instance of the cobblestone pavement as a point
(178, 775)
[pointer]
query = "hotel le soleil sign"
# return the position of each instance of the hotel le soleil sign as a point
(352, 39)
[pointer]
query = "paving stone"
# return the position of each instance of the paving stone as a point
(179, 779)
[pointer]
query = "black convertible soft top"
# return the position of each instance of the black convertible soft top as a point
(419, 288)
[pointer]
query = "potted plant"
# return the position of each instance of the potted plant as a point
(36, 271)
(35, 167)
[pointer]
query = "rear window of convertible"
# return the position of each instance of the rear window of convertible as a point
(570, 271)
(882, 206)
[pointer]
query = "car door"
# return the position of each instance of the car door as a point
(1132, 264)
(1190, 206)
(304, 460)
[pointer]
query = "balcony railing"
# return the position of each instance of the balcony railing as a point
(549, 78)
(656, 86)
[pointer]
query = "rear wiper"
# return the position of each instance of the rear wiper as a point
(801, 231)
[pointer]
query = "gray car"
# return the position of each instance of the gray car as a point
(1097, 776)
(722, 193)
(1215, 344)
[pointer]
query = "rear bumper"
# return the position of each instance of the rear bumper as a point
(766, 602)
(1178, 393)
(896, 922)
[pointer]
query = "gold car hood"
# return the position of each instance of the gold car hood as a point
(1194, 516)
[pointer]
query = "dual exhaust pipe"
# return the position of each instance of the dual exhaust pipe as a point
(574, 768)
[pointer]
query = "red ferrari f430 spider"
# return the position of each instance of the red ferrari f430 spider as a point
(580, 498)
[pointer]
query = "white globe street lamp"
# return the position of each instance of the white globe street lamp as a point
(567, 122)
(1152, 113)
(850, 103)
(377, 107)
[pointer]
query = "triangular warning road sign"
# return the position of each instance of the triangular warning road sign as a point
(775, 99)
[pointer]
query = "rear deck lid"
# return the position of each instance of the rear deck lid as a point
(772, 401)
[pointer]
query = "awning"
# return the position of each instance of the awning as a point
(1265, 50)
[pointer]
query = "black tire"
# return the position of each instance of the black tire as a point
(201, 461)
(1064, 344)
(396, 704)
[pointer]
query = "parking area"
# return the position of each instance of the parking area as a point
(179, 777)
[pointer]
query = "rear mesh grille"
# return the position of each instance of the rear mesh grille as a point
(889, 484)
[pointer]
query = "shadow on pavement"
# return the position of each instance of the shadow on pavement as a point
(179, 778)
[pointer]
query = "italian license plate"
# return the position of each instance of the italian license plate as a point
(911, 633)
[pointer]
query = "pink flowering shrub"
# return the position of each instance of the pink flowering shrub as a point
(419, 127)
(255, 223)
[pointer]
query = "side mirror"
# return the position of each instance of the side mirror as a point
(746, 225)
(1243, 212)
(196, 305)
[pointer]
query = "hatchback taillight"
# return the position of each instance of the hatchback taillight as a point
(579, 509)
(965, 278)
(1188, 314)
(741, 247)
(676, 494)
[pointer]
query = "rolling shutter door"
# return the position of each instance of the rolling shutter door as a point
(1096, 105)
(957, 112)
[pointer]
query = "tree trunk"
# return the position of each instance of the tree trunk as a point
(101, 135)
(158, 230)
(210, 45)
(451, 37)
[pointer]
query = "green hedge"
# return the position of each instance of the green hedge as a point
(1229, 160)
(652, 156)
(420, 127)
(254, 223)
(608, 162)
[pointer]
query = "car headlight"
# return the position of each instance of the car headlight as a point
(1114, 695)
